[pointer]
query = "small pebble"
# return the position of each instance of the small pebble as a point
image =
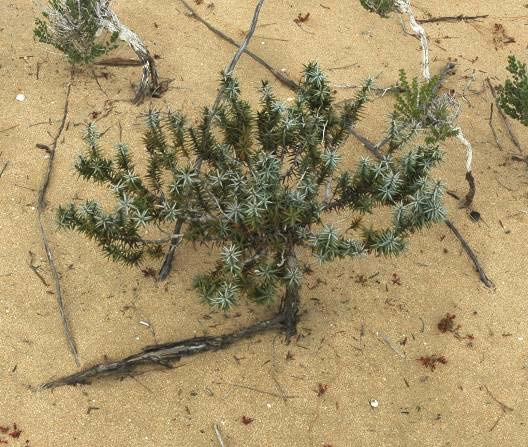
(374, 403)
(20, 97)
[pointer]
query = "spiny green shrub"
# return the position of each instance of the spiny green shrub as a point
(381, 7)
(263, 186)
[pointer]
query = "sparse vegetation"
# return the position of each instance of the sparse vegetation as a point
(85, 30)
(381, 7)
(513, 95)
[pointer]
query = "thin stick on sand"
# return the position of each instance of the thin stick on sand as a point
(41, 205)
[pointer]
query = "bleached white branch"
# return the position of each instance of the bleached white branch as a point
(404, 6)
(149, 80)
(65, 27)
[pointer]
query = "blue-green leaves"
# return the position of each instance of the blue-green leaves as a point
(258, 187)
(329, 244)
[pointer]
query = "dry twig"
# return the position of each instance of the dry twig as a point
(512, 135)
(458, 18)
(280, 76)
(41, 205)
(9, 128)
(472, 255)
(490, 122)
(504, 408)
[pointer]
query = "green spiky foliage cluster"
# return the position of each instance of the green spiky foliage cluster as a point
(72, 26)
(380, 7)
(421, 110)
(513, 95)
(266, 184)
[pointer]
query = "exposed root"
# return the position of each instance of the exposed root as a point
(165, 354)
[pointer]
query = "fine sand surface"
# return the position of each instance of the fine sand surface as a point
(362, 330)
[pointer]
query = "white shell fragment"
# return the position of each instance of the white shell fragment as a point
(20, 97)
(374, 403)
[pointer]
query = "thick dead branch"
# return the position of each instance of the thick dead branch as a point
(165, 354)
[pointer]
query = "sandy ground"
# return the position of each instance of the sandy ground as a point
(348, 308)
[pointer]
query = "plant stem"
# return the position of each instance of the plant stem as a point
(290, 303)
(169, 257)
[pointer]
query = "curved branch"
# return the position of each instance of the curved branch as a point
(149, 84)
(165, 354)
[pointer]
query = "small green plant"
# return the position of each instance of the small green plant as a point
(381, 7)
(268, 190)
(72, 26)
(419, 106)
(85, 30)
(513, 95)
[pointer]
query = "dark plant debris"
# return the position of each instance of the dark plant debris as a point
(301, 18)
(431, 361)
(246, 420)
(447, 324)
(322, 388)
